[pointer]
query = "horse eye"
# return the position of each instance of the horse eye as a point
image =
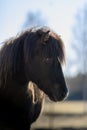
(48, 60)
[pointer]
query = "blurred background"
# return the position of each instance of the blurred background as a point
(68, 18)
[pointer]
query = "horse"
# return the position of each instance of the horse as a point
(30, 67)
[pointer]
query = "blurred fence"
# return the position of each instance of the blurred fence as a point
(68, 115)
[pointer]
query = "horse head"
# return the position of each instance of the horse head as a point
(44, 56)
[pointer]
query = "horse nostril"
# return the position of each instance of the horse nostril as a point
(65, 92)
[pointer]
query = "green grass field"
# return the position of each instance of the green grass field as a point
(67, 115)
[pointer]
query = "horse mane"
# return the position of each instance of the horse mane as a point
(12, 56)
(17, 50)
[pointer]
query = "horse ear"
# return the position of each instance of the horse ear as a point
(44, 36)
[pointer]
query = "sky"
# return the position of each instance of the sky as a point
(60, 16)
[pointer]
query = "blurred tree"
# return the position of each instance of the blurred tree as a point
(79, 44)
(35, 19)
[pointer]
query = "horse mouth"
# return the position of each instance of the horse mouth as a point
(59, 97)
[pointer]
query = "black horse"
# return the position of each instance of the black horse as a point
(35, 55)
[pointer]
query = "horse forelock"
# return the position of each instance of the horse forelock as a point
(53, 42)
(56, 45)
(59, 47)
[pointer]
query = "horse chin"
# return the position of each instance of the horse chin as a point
(56, 99)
